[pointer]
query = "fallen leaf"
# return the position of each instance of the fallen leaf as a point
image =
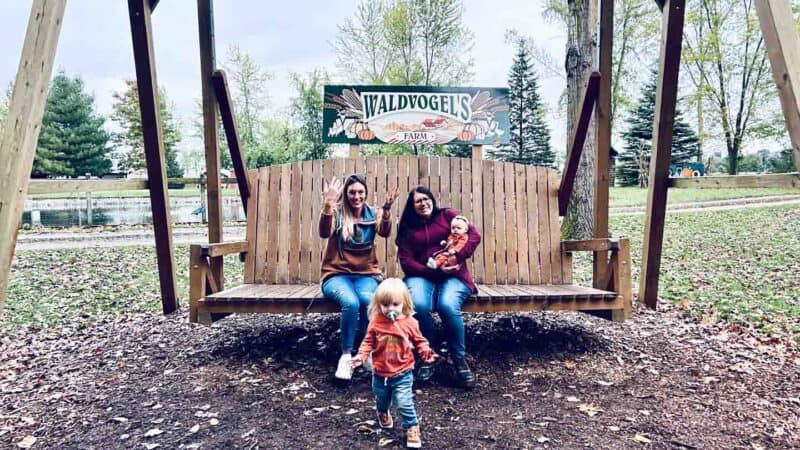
(383, 442)
(351, 411)
(542, 439)
(151, 446)
(153, 432)
(363, 428)
(641, 438)
(26, 442)
(194, 429)
(604, 383)
(119, 419)
(573, 399)
(214, 421)
(613, 428)
(589, 409)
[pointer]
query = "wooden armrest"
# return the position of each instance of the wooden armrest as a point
(223, 248)
(590, 245)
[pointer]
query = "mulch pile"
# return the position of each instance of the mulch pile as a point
(545, 380)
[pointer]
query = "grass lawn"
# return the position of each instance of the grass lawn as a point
(633, 196)
(619, 196)
(739, 266)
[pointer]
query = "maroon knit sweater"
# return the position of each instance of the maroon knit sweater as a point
(414, 249)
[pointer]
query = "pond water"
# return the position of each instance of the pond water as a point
(119, 214)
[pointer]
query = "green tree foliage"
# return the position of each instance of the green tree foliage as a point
(72, 141)
(405, 42)
(530, 136)
(412, 42)
(637, 26)
(725, 59)
(306, 114)
(782, 163)
(247, 82)
(633, 163)
(126, 114)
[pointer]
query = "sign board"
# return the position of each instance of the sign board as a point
(415, 115)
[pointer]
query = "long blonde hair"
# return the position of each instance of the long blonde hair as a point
(348, 219)
(389, 290)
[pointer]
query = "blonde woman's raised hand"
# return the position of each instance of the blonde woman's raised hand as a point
(331, 191)
(391, 196)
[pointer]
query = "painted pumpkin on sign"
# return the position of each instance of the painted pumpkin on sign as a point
(358, 127)
(469, 132)
(366, 134)
(466, 135)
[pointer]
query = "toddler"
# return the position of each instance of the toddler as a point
(391, 337)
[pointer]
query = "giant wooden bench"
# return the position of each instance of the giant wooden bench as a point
(521, 264)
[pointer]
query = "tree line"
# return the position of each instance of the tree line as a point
(727, 98)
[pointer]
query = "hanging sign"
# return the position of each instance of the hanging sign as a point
(415, 115)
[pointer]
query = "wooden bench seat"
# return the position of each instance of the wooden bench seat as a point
(521, 264)
(292, 298)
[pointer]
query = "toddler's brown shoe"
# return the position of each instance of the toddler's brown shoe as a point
(413, 438)
(385, 419)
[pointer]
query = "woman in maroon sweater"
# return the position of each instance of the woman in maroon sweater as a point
(422, 227)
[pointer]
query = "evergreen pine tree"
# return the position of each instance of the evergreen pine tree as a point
(131, 141)
(530, 136)
(633, 163)
(72, 141)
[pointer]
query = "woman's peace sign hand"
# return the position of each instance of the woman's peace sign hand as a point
(331, 191)
(391, 196)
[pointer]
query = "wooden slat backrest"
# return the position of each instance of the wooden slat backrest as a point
(514, 206)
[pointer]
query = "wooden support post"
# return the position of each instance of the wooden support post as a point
(576, 142)
(223, 94)
(621, 277)
(355, 151)
(783, 48)
(603, 115)
(21, 132)
(666, 95)
(477, 152)
(205, 19)
(144, 58)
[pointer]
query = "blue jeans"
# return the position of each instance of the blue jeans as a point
(397, 390)
(445, 298)
(353, 293)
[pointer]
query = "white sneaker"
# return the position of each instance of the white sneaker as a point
(368, 364)
(343, 369)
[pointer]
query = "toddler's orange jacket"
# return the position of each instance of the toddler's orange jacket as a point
(392, 345)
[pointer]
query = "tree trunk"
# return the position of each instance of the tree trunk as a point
(581, 51)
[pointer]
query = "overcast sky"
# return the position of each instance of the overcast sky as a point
(282, 37)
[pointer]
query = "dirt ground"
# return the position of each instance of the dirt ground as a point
(545, 380)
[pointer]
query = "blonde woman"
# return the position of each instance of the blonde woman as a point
(350, 271)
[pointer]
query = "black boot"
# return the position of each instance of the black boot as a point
(465, 376)
(424, 372)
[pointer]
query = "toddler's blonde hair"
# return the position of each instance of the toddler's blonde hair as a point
(389, 290)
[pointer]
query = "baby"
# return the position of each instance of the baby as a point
(455, 241)
(391, 338)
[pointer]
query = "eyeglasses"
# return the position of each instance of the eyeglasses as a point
(420, 201)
